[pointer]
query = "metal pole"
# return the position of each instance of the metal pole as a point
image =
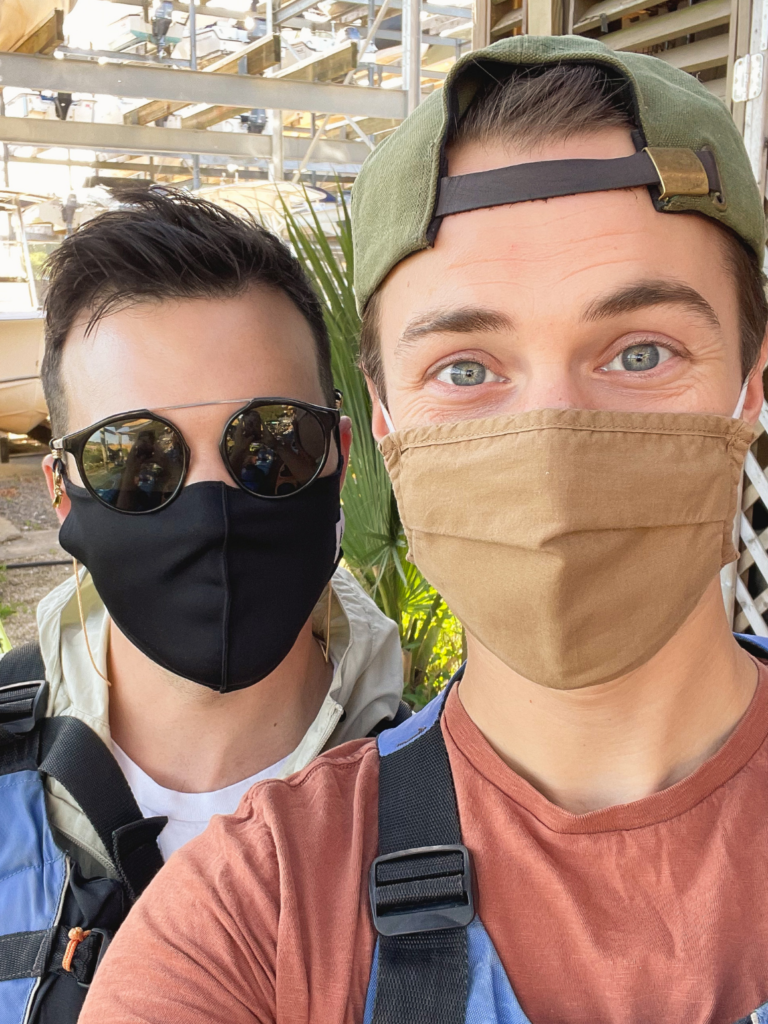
(411, 33)
(372, 30)
(5, 144)
(27, 260)
(193, 35)
(277, 164)
(194, 67)
(371, 19)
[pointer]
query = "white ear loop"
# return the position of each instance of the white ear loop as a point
(387, 418)
(742, 399)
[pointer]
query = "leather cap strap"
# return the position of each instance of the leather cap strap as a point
(671, 171)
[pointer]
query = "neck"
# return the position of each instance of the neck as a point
(618, 742)
(192, 739)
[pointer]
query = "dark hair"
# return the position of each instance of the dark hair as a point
(163, 243)
(560, 102)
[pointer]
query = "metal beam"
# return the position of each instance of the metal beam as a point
(214, 12)
(32, 72)
(685, 21)
(27, 131)
(299, 6)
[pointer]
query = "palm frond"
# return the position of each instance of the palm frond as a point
(375, 547)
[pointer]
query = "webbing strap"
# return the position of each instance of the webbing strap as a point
(76, 757)
(21, 665)
(23, 691)
(422, 976)
(23, 954)
(547, 179)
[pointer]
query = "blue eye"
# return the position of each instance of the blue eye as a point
(467, 374)
(639, 358)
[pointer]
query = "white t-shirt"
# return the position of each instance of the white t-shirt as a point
(187, 813)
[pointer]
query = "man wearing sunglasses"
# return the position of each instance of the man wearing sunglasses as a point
(558, 257)
(207, 637)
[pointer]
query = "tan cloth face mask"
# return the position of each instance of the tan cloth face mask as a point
(571, 543)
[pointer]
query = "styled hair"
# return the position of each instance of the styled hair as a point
(560, 102)
(163, 243)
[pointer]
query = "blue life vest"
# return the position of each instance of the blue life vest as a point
(46, 965)
(433, 959)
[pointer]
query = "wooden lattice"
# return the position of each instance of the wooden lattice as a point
(751, 578)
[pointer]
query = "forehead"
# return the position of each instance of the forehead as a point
(555, 255)
(189, 350)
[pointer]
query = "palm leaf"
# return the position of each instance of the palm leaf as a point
(375, 547)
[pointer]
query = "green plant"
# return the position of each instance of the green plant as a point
(6, 610)
(375, 547)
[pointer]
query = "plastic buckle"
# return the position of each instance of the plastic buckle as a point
(13, 694)
(106, 939)
(405, 914)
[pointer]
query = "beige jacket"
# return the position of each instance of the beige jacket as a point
(367, 683)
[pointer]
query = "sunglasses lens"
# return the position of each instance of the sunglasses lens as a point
(275, 450)
(134, 465)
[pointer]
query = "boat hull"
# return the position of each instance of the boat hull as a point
(22, 341)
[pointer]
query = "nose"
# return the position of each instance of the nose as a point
(550, 385)
(206, 463)
(202, 429)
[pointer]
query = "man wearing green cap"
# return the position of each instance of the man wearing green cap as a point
(558, 262)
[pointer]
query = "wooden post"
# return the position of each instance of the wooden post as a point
(481, 24)
(545, 17)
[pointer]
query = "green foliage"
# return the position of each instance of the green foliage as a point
(6, 610)
(374, 544)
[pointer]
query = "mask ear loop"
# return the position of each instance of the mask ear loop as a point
(387, 418)
(82, 623)
(742, 399)
(327, 644)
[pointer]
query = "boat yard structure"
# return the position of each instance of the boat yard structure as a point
(223, 95)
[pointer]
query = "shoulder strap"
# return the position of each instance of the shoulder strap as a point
(420, 887)
(73, 754)
(755, 645)
(403, 712)
(23, 691)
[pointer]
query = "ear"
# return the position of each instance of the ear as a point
(345, 438)
(379, 426)
(63, 510)
(753, 403)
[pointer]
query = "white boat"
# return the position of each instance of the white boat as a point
(22, 405)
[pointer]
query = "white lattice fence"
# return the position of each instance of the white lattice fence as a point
(750, 574)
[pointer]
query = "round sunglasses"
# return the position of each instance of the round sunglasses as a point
(136, 462)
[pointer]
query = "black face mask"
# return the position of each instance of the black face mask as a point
(216, 586)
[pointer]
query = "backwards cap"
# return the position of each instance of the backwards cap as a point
(690, 155)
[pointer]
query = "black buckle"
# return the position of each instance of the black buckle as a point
(106, 939)
(425, 889)
(22, 705)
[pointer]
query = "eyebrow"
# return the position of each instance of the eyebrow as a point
(466, 320)
(651, 293)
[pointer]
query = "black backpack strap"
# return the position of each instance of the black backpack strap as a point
(403, 712)
(23, 691)
(420, 888)
(75, 756)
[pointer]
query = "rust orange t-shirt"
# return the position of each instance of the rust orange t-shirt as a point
(647, 912)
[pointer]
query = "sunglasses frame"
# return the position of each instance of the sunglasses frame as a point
(74, 445)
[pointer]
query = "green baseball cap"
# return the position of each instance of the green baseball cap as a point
(691, 156)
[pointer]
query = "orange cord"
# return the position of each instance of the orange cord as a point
(76, 936)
